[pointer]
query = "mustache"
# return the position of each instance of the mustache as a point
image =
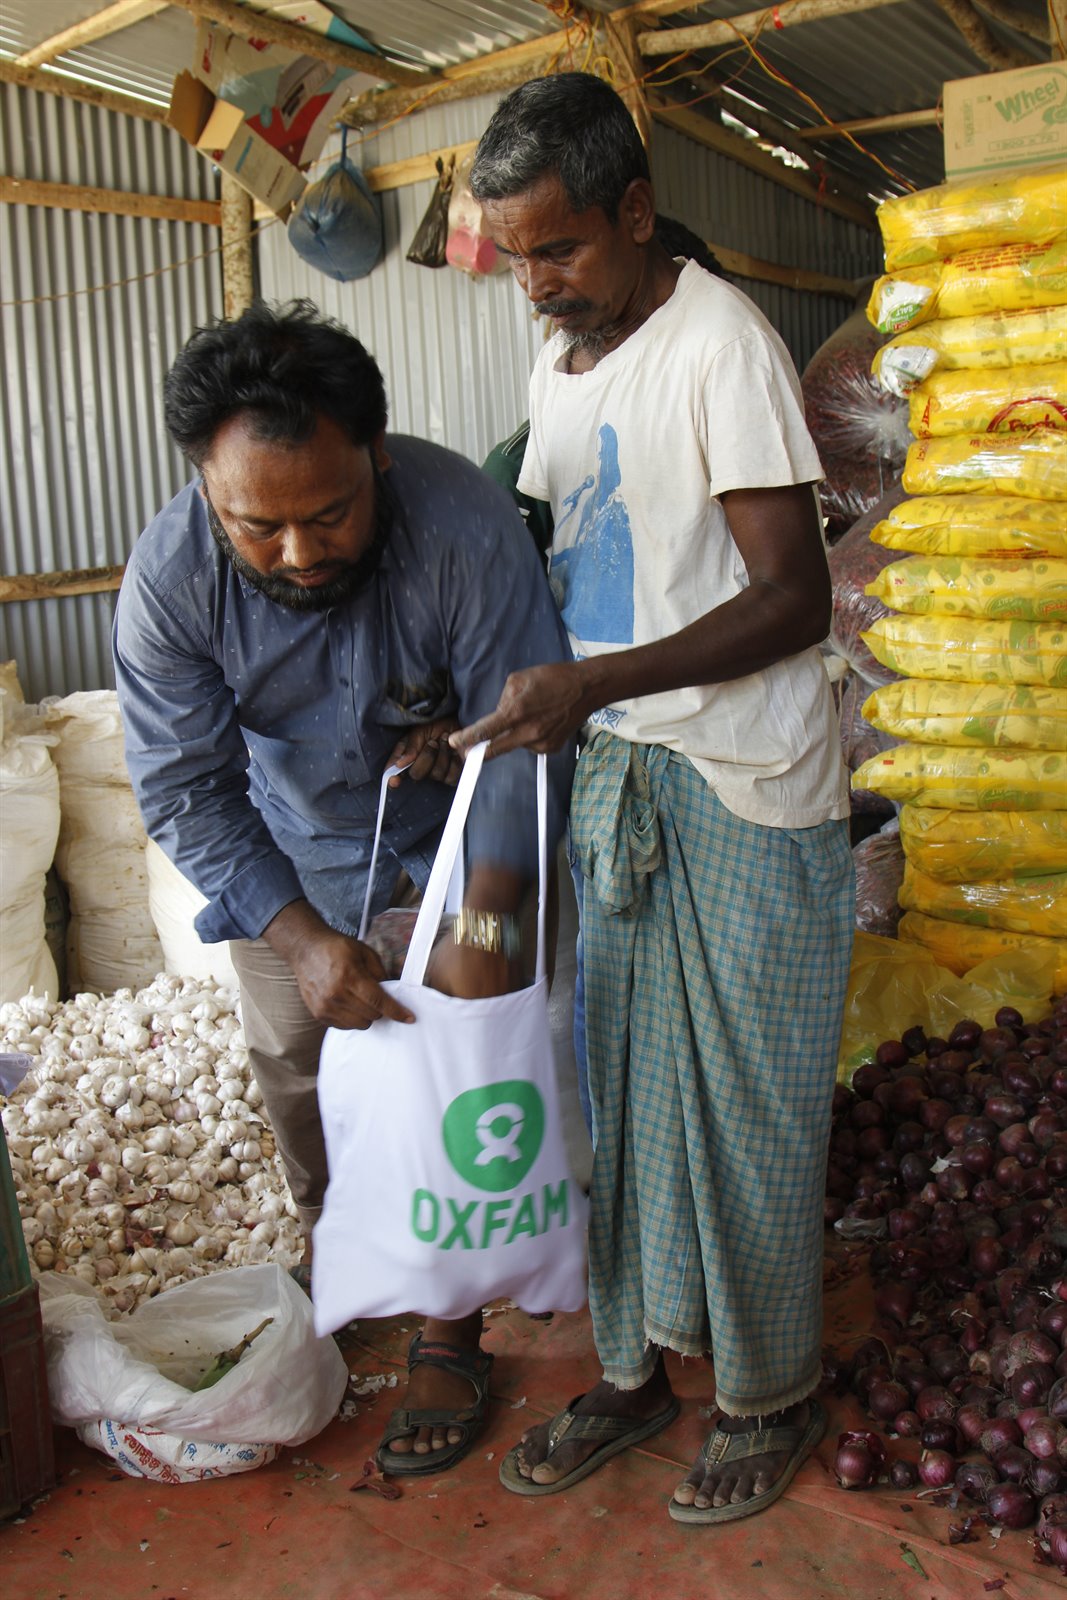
(562, 308)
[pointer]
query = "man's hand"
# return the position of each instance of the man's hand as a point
(539, 709)
(424, 752)
(470, 974)
(340, 980)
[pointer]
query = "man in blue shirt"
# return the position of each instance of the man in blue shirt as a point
(323, 600)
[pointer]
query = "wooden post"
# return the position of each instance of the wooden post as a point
(620, 47)
(238, 274)
(669, 41)
(1057, 27)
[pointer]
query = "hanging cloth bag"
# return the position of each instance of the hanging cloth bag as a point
(336, 225)
(449, 1183)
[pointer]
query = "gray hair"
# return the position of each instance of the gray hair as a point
(572, 125)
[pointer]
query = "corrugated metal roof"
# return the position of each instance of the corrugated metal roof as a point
(870, 64)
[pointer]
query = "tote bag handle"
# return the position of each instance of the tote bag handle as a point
(445, 877)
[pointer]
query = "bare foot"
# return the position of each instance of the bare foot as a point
(603, 1400)
(736, 1481)
(430, 1388)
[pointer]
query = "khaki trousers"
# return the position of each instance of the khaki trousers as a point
(284, 1042)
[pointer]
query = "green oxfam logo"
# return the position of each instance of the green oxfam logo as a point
(492, 1135)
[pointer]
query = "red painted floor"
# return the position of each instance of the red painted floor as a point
(296, 1528)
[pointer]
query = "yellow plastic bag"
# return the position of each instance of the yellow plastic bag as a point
(1002, 340)
(961, 779)
(1019, 905)
(1025, 206)
(959, 586)
(893, 987)
(961, 949)
(1001, 715)
(971, 847)
(1033, 464)
(975, 525)
(1010, 277)
(973, 649)
(990, 400)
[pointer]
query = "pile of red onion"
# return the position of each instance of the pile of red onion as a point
(951, 1156)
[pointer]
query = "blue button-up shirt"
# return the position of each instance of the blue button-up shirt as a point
(256, 736)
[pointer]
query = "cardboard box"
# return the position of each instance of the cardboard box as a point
(1006, 119)
(220, 131)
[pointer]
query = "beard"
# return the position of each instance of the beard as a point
(353, 576)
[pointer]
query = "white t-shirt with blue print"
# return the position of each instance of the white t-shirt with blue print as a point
(633, 456)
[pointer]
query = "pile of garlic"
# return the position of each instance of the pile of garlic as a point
(138, 1141)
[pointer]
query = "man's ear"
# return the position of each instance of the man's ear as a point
(382, 459)
(637, 209)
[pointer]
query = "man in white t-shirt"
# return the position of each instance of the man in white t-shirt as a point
(709, 810)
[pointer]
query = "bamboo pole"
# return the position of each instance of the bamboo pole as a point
(55, 585)
(108, 202)
(899, 119)
(1057, 27)
(249, 24)
(122, 14)
(386, 105)
(670, 41)
(740, 265)
(126, 105)
(238, 273)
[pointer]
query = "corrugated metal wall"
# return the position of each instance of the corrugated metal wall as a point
(456, 354)
(84, 461)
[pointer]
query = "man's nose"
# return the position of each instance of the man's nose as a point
(538, 280)
(301, 547)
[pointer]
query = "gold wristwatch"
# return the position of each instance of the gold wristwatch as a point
(494, 931)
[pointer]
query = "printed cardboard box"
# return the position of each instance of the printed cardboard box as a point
(220, 131)
(1006, 119)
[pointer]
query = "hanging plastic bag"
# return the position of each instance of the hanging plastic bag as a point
(127, 1386)
(449, 1183)
(336, 225)
(879, 865)
(470, 248)
(894, 986)
(430, 244)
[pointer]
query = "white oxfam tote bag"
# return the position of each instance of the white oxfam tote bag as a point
(449, 1183)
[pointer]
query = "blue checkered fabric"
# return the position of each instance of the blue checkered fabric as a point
(716, 959)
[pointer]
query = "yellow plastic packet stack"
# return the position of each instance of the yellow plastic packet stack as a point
(994, 715)
(961, 948)
(970, 650)
(965, 586)
(990, 400)
(1001, 339)
(962, 779)
(980, 525)
(1009, 277)
(1032, 464)
(977, 847)
(1024, 207)
(1019, 904)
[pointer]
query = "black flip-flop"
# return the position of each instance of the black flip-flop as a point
(720, 1446)
(475, 1366)
(614, 1434)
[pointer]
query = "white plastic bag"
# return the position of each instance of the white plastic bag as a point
(124, 1385)
(175, 903)
(449, 1182)
(29, 812)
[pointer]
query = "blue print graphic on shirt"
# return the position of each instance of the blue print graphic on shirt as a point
(594, 577)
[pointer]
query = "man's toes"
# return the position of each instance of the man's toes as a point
(402, 1446)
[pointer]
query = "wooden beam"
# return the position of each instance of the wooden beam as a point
(249, 24)
(122, 14)
(740, 265)
(748, 154)
(890, 124)
(109, 202)
(57, 83)
(398, 174)
(51, 585)
(238, 274)
(1057, 28)
(1013, 17)
(365, 110)
(980, 38)
(672, 41)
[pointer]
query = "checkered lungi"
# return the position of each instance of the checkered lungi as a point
(716, 959)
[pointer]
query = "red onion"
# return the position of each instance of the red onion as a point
(907, 1424)
(909, 1136)
(957, 1129)
(865, 1079)
(1046, 1439)
(937, 1468)
(859, 1459)
(1008, 1017)
(885, 1398)
(999, 1433)
(866, 1114)
(1044, 1477)
(935, 1401)
(986, 1255)
(941, 1434)
(1004, 1109)
(1011, 1505)
(965, 1035)
(1051, 1534)
(893, 1053)
(1029, 1346)
(1013, 1462)
(994, 1042)
(975, 1479)
(895, 1302)
(903, 1475)
(914, 1040)
(1031, 1383)
(1056, 1400)
(971, 1420)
